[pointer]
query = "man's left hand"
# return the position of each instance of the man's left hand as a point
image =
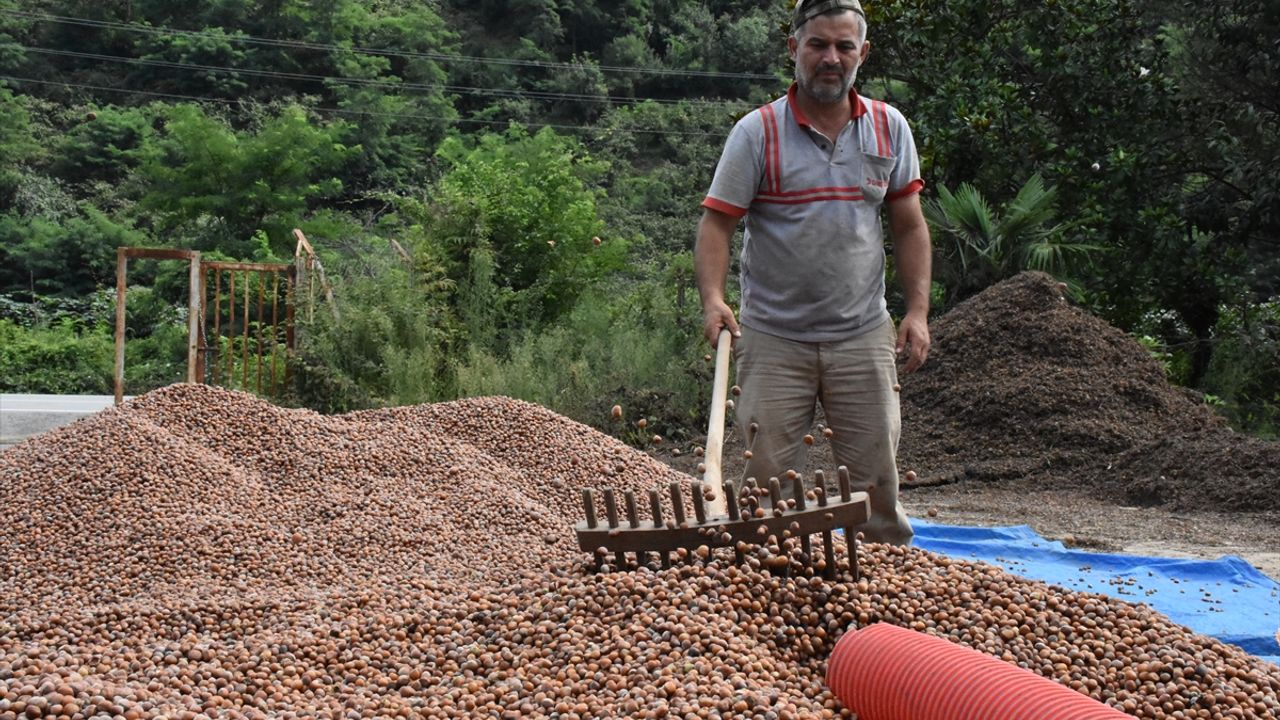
(913, 340)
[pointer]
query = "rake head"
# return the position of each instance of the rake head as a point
(758, 518)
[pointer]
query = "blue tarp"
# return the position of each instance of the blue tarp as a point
(1227, 598)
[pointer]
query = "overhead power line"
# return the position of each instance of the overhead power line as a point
(459, 89)
(367, 113)
(439, 57)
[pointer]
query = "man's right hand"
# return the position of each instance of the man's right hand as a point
(717, 316)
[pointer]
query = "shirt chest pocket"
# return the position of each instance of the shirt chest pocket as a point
(876, 171)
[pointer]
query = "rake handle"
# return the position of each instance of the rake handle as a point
(713, 476)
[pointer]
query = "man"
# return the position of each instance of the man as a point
(811, 172)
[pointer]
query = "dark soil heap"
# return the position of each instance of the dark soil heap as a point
(1020, 383)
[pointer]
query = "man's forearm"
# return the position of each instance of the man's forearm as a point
(913, 257)
(711, 255)
(912, 252)
(711, 266)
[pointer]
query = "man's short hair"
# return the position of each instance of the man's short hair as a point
(806, 10)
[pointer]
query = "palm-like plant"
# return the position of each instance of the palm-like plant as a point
(978, 248)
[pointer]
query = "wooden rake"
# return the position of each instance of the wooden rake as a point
(735, 520)
(749, 522)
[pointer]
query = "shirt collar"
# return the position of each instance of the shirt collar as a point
(857, 108)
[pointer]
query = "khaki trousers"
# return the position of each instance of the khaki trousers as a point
(853, 380)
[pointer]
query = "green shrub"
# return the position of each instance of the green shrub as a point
(390, 344)
(632, 349)
(517, 212)
(59, 358)
(1244, 372)
(1169, 341)
(157, 359)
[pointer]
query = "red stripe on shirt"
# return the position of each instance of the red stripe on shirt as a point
(881, 115)
(804, 200)
(912, 188)
(770, 147)
(810, 191)
(768, 156)
(724, 207)
(777, 154)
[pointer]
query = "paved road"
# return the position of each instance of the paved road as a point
(22, 416)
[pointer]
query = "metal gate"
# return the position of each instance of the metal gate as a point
(193, 306)
(243, 344)
(240, 316)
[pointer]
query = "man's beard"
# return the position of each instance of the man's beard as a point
(826, 93)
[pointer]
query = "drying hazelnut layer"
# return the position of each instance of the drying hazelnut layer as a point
(200, 553)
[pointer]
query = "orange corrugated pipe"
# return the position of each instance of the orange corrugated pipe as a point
(885, 672)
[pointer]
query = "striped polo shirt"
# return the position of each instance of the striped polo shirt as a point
(813, 250)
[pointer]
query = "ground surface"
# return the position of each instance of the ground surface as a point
(1078, 518)
(1031, 411)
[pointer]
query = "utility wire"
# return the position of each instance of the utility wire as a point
(459, 89)
(345, 111)
(442, 57)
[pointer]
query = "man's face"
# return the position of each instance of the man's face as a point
(827, 54)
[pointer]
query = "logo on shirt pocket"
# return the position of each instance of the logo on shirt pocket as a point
(876, 173)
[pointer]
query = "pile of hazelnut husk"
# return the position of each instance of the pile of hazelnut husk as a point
(201, 553)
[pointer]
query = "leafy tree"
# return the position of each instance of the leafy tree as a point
(734, 37)
(620, 343)
(17, 143)
(589, 25)
(524, 203)
(730, 36)
(628, 51)
(1216, 248)
(995, 90)
(202, 174)
(397, 130)
(106, 146)
(1231, 63)
(492, 92)
(691, 37)
(66, 257)
(12, 31)
(749, 43)
(534, 20)
(203, 53)
(1085, 94)
(657, 179)
(583, 89)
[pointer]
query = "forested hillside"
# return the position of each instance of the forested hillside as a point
(540, 164)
